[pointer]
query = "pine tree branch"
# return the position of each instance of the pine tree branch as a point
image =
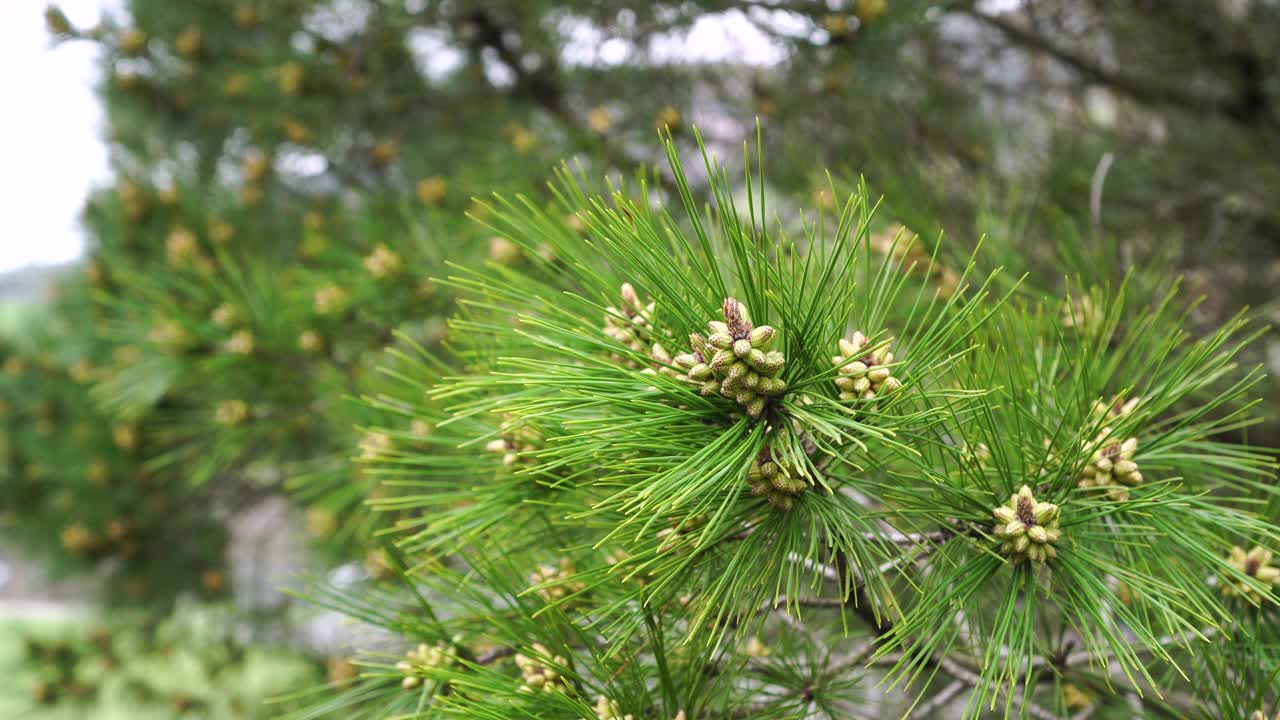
(1092, 71)
(936, 702)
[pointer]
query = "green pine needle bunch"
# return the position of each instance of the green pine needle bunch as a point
(603, 519)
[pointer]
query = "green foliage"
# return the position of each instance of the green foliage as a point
(614, 530)
(672, 447)
(185, 666)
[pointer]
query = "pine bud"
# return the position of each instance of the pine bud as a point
(57, 21)
(1111, 466)
(289, 78)
(686, 361)
(1255, 564)
(246, 16)
(431, 191)
(762, 337)
(1028, 528)
(503, 251)
(420, 662)
(737, 368)
(375, 444)
(722, 361)
(241, 342)
(231, 412)
(771, 386)
(537, 673)
(328, 299)
(721, 341)
(870, 372)
(224, 315)
(607, 709)
(133, 42)
(382, 262)
(1082, 314)
(298, 133)
(776, 483)
(310, 341)
(188, 41)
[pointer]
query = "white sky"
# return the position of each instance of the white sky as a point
(50, 151)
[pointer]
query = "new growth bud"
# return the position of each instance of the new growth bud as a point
(559, 581)
(1029, 528)
(541, 675)
(421, 661)
(607, 709)
(631, 324)
(864, 375)
(774, 480)
(1111, 466)
(735, 361)
(1255, 564)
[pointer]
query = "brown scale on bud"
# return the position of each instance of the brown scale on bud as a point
(1254, 564)
(1111, 466)
(1028, 528)
(736, 360)
(864, 375)
(1113, 410)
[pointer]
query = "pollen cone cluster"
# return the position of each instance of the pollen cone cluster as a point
(1111, 465)
(1029, 528)
(607, 709)
(774, 481)
(631, 324)
(868, 376)
(1113, 410)
(538, 675)
(1255, 564)
(736, 361)
(561, 578)
(514, 440)
(421, 660)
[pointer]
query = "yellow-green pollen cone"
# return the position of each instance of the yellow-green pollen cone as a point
(774, 481)
(1255, 564)
(736, 360)
(631, 324)
(1029, 528)
(1111, 465)
(867, 376)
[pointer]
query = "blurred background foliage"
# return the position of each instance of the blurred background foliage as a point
(290, 176)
